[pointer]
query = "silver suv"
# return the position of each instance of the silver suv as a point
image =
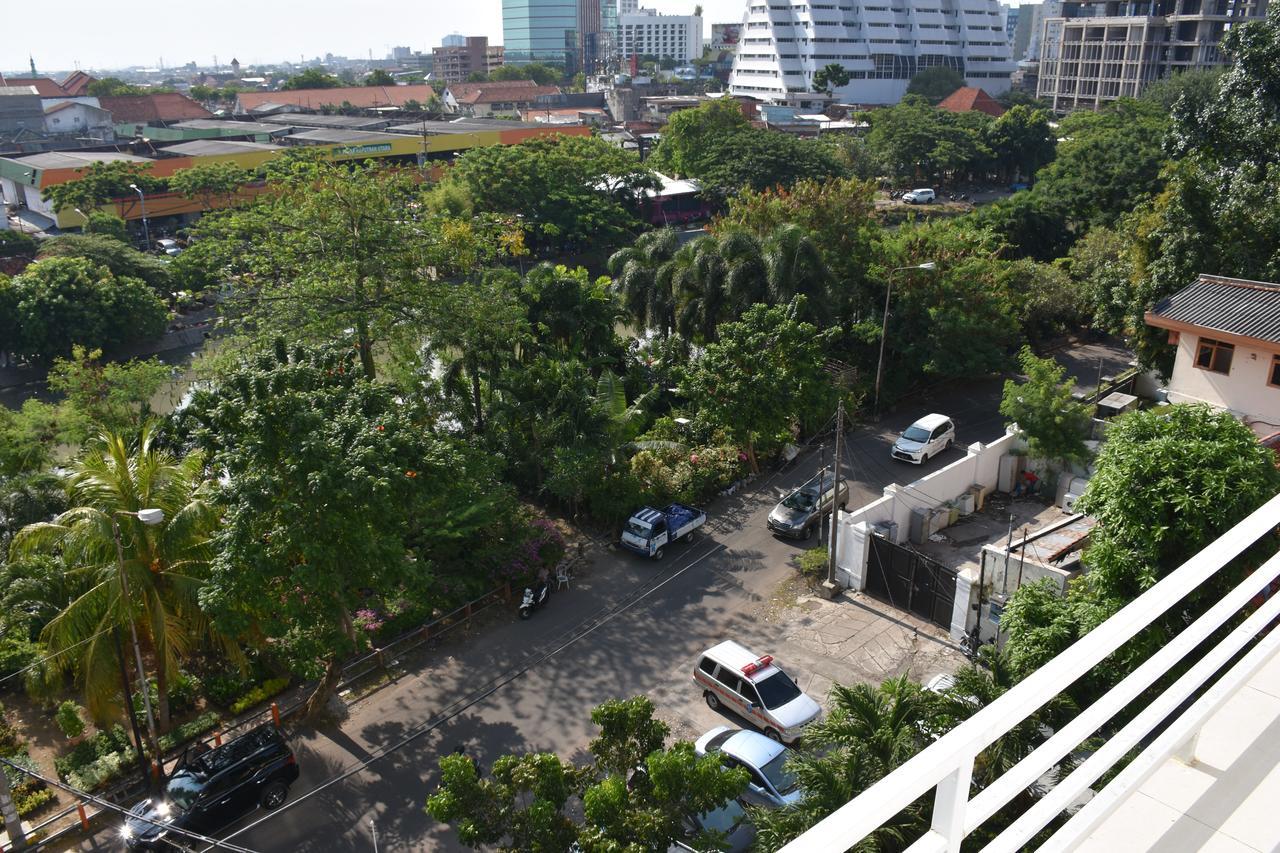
(800, 513)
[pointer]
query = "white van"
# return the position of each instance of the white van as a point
(756, 689)
(920, 196)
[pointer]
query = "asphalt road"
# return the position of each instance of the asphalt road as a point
(627, 626)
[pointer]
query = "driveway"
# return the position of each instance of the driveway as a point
(627, 626)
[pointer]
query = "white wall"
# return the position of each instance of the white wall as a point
(1244, 390)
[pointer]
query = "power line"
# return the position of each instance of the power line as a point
(110, 806)
(59, 653)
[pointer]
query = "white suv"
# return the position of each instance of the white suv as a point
(924, 439)
(921, 196)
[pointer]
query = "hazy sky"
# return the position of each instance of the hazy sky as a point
(98, 34)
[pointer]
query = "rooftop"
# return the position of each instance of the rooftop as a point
(307, 120)
(478, 125)
(215, 147)
(360, 97)
(322, 135)
(44, 85)
(1232, 306)
(245, 127)
(158, 107)
(75, 159)
(969, 99)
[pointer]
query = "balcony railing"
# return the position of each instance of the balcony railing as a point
(947, 764)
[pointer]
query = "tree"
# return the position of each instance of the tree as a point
(109, 86)
(1021, 141)
(165, 566)
(830, 77)
(728, 383)
(379, 77)
(100, 183)
(1198, 85)
(1052, 422)
(757, 159)
(914, 141)
(936, 83)
(1168, 482)
(640, 282)
(204, 94)
(60, 302)
(1032, 225)
(212, 184)
(119, 257)
(107, 225)
(682, 150)
(635, 796)
(112, 397)
(312, 78)
(568, 189)
(304, 440)
(16, 244)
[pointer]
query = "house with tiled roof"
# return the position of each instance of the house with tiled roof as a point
(159, 109)
(314, 100)
(1227, 331)
(76, 84)
(968, 99)
(45, 87)
(505, 97)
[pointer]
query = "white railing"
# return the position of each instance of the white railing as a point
(947, 764)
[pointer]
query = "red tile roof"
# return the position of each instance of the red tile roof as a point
(968, 99)
(144, 109)
(45, 86)
(77, 83)
(363, 97)
(485, 93)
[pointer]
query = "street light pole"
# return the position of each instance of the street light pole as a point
(884, 326)
(830, 585)
(146, 227)
(146, 516)
(128, 704)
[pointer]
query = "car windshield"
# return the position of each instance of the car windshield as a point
(802, 500)
(182, 790)
(782, 781)
(638, 528)
(722, 819)
(777, 690)
(915, 433)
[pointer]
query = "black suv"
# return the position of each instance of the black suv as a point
(209, 790)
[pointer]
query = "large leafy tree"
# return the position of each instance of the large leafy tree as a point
(334, 491)
(100, 183)
(764, 375)
(60, 302)
(1169, 481)
(113, 253)
(1053, 423)
(312, 78)
(165, 565)
(635, 796)
(1021, 141)
(568, 189)
(934, 84)
(212, 184)
(830, 77)
(689, 133)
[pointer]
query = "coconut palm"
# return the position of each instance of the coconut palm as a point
(697, 275)
(639, 279)
(164, 564)
(793, 266)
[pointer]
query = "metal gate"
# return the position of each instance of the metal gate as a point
(911, 581)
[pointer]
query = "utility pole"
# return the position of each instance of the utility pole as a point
(12, 823)
(133, 714)
(830, 586)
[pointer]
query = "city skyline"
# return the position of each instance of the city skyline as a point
(264, 33)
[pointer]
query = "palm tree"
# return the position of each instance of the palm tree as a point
(793, 265)
(698, 272)
(164, 564)
(639, 280)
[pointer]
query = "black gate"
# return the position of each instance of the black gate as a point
(911, 581)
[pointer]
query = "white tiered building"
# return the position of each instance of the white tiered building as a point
(881, 43)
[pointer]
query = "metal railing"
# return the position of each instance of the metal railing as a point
(947, 764)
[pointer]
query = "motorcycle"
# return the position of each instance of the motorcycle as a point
(534, 597)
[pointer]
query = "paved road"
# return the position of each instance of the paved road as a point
(628, 626)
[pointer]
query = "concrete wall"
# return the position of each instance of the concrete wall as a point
(1244, 390)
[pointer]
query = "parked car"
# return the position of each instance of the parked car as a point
(920, 196)
(924, 439)
(730, 820)
(649, 530)
(207, 792)
(756, 689)
(169, 246)
(799, 513)
(770, 784)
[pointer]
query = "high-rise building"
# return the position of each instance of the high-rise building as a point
(646, 33)
(454, 40)
(455, 63)
(1095, 52)
(881, 47)
(541, 31)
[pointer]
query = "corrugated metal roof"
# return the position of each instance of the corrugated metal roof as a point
(215, 147)
(1236, 306)
(337, 135)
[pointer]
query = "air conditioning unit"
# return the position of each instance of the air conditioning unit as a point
(1069, 501)
(886, 530)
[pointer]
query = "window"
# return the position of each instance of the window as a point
(1214, 355)
(708, 666)
(1274, 376)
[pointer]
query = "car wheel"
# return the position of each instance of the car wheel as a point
(657, 555)
(808, 533)
(772, 734)
(950, 442)
(274, 795)
(713, 702)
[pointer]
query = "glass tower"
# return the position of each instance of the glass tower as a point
(541, 31)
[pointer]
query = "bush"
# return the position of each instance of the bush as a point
(188, 731)
(16, 244)
(29, 793)
(184, 691)
(30, 801)
(259, 694)
(813, 563)
(223, 688)
(69, 720)
(16, 654)
(98, 760)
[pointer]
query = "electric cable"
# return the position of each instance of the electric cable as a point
(46, 658)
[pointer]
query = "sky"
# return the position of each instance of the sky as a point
(99, 35)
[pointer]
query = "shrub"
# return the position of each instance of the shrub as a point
(16, 244)
(813, 563)
(259, 694)
(223, 688)
(69, 720)
(16, 654)
(206, 722)
(30, 801)
(184, 691)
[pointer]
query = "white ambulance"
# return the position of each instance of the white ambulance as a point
(756, 689)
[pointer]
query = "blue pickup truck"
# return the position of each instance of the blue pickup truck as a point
(649, 529)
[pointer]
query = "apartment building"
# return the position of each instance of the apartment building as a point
(881, 43)
(1095, 52)
(646, 33)
(454, 63)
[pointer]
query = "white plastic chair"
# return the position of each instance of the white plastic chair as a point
(562, 576)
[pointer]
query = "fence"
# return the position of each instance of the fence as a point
(946, 766)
